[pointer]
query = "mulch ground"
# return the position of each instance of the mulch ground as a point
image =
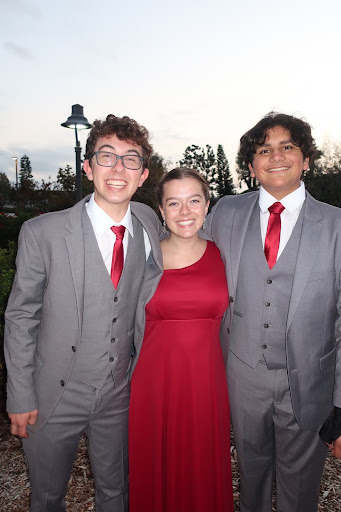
(15, 487)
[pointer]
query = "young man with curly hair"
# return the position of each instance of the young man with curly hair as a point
(70, 322)
(283, 262)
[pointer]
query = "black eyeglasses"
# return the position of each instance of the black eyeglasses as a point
(106, 159)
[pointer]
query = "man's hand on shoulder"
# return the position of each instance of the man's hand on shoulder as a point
(20, 421)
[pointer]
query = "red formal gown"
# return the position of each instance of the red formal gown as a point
(179, 439)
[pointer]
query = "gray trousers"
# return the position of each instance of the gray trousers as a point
(103, 415)
(269, 441)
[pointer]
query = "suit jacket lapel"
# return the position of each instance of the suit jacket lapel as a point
(309, 245)
(153, 235)
(154, 264)
(240, 223)
(74, 240)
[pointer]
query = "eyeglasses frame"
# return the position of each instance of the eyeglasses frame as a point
(118, 157)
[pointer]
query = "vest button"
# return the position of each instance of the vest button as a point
(114, 320)
(113, 340)
(111, 359)
(73, 349)
(267, 304)
(264, 346)
(227, 330)
(266, 326)
(62, 383)
(115, 299)
(269, 281)
(231, 299)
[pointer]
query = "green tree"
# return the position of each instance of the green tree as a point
(323, 178)
(5, 188)
(26, 180)
(66, 179)
(325, 187)
(225, 184)
(147, 193)
(204, 161)
(244, 175)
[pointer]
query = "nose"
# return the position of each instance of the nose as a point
(277, 155)
(118, 167)
(184, 210)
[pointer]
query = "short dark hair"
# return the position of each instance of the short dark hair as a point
(124, 128)
(300, 133)
(180, 173)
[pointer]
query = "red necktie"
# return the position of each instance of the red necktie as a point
(117, 255)
(273, 234)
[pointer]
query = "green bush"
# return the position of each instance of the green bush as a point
(10, 227)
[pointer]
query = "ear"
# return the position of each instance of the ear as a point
(143, 177)
(251, 171)
(88, 170)
(306, 163)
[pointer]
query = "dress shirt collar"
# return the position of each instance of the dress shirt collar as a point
(101, 221)
(290, 202)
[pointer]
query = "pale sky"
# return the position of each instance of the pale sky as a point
(192, 72)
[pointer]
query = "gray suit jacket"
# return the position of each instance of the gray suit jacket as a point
(45, 307)
(313, 330)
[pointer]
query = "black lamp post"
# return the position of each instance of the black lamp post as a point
(77, 121)
(16, 171)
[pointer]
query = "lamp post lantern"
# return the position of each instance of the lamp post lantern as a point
(16, 171)
(77, 121)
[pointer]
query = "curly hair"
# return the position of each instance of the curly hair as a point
(124, 128)
(300, 133)
(180, 173)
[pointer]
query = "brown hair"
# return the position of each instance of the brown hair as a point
(124, 128)
(180, 173)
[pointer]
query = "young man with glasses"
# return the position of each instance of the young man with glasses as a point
(70, 322)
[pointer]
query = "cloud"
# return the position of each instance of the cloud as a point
(18, 50)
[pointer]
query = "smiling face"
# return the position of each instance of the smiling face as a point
(184, 207)
(278, 164)
(115, 186)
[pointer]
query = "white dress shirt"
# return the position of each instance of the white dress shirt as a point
(292, 204)
(102, 223)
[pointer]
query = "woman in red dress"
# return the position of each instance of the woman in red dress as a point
(179, 451)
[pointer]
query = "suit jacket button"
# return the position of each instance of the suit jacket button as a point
(269, 281)
(113, 340)
(114, 320)
(231, 299)
(227, 330)
(62, 383)
(111, 359)
(264, 346)
(266, 326)
(267, 304)
(115, 299)
(73, 349)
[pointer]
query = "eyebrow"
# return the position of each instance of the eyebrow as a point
(190, 197)
(267, 145)
(113, 148)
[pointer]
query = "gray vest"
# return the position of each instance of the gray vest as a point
(263, 297)
(108, 314)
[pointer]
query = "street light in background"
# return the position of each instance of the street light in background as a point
(77, 121)
(16, 171)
